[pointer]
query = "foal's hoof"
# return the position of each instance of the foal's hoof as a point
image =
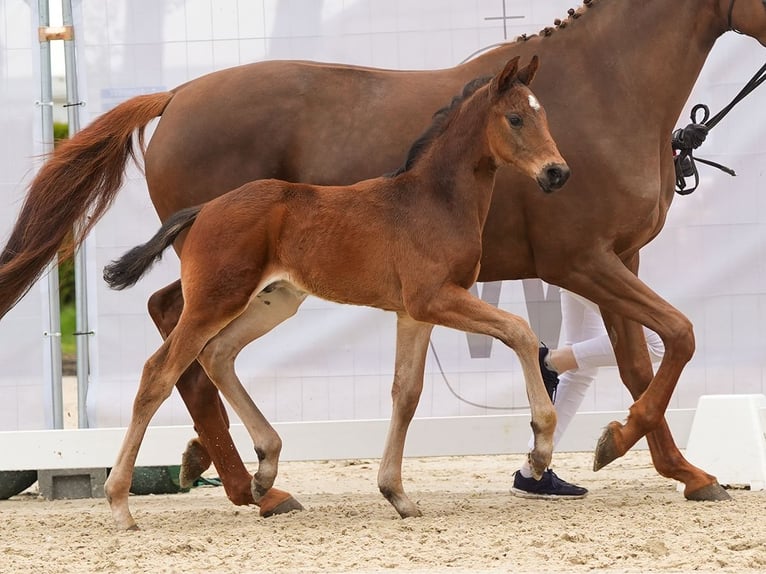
(412, 513)
(194, 461)
(606, 448)
(712, 492)
(279, 502)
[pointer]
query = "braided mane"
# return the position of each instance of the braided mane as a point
(559, 24)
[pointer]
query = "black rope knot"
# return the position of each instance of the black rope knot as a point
(686, 140)
(689, 138)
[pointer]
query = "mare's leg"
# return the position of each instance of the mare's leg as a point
(411, 349)
(616, 289)
(159, 375)
(455, 307)
(207, 410)
(667, 459)
(636, 373)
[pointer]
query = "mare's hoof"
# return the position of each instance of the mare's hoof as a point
(194, 461)
(711, 492)
(289, 504)
(606, 449)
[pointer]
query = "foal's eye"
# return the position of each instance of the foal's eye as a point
(515, 120)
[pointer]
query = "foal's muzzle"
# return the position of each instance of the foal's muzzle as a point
(553, 176)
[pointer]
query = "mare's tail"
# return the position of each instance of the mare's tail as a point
(128, 269)
(71, 192)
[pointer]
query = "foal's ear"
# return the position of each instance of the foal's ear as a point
(504, 79)
(526, 74)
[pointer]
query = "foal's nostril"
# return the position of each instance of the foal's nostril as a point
(557, 175)
(553, 176)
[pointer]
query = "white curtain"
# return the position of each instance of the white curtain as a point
(333, 362)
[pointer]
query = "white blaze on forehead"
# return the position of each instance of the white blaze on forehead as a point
(533, 103)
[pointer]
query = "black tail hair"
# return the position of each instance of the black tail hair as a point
(128, 269)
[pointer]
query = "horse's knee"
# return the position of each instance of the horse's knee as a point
(521, 337)
(406, 394)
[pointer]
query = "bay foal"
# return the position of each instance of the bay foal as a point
(408, 243)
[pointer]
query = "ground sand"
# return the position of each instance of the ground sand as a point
(632, 521)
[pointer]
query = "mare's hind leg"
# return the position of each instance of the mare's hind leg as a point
(201, 397)
(455, 307)
(218, 361)
(411, 348)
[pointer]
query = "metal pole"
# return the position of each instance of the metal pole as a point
(83, 331)
(54, 320)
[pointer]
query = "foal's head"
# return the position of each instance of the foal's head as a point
(517, 129)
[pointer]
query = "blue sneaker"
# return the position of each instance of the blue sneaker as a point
(549, 486)
(550, 377)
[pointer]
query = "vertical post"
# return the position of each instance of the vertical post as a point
(54, 319)
(83, 331)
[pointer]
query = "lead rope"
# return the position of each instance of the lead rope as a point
(686, 140)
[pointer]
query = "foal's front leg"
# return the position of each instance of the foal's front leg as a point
(455, 307)
(411, 348)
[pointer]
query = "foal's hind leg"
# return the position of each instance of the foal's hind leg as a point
(159, 375)
(207, 410)
(455, 307)
(411, 348)
(218, 361)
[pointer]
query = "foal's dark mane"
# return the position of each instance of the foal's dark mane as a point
(440, 122)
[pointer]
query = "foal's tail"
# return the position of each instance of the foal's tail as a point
(71, 192)
(128, 269)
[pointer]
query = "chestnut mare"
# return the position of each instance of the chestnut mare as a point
(409, 243)
(616, 77)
